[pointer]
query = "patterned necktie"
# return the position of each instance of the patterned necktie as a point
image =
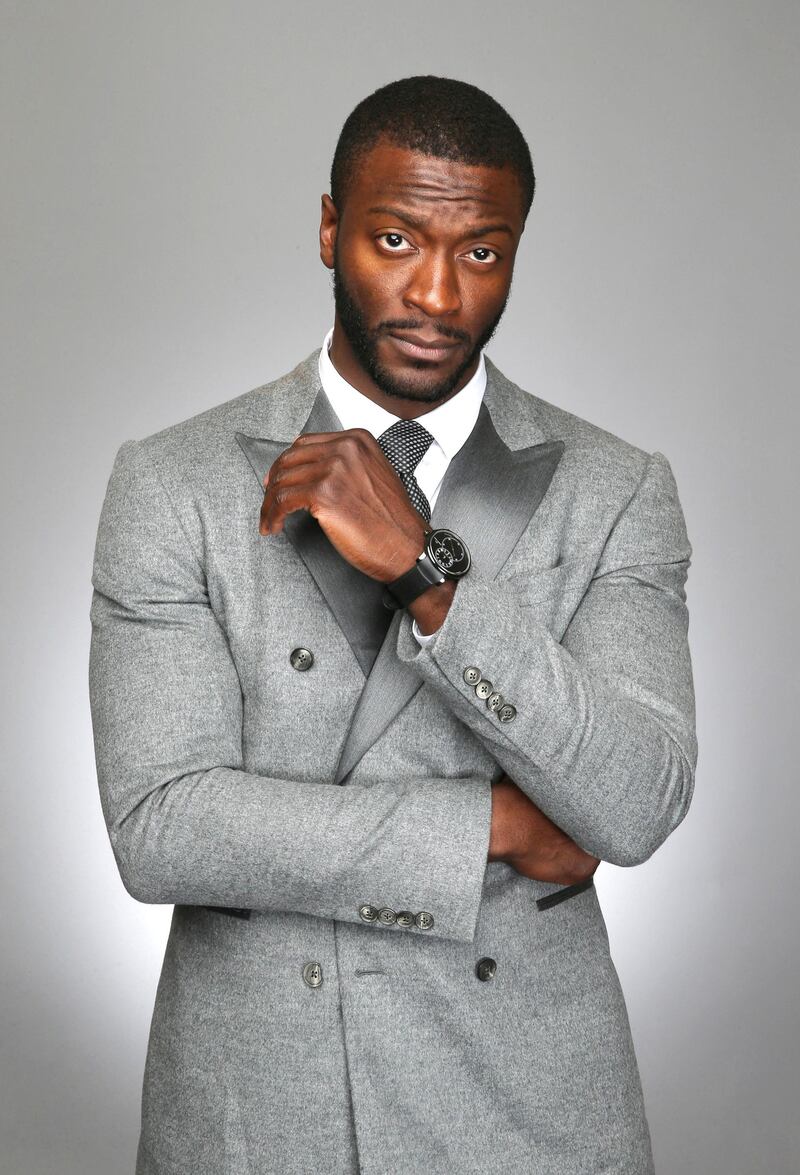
(405, 444)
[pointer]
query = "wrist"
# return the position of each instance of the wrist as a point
(444, 559)
(430, 609)
(502, 846)
(405, 552)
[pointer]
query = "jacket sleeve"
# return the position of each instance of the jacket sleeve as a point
(603, 739)
(186, 822)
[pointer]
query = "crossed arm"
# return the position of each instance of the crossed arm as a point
(612, 707)
(604, 760)
(345, 481)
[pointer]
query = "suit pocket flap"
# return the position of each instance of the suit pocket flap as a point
(538, 583)
(561, 895)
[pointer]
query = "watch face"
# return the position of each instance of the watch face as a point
(448, 552)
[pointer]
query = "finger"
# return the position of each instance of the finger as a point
(283, 502)
(338, 462)
(351, 444)
(316, 480)
(313, 479)
(272, 508)
(360, 435)
(302, 481)
(314, 454)
(280, 468)
(292, 456)
(315, 438)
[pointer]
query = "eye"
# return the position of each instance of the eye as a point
(482, 254)
(394, 242)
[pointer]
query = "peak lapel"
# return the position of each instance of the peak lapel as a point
(488, 496)
(353, 598)
(491, 492)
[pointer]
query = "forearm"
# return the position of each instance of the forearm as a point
(520, 835)
(611, 772)
(227, 837)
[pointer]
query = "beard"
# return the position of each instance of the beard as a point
(364, 341)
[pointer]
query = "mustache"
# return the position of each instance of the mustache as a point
(447, 332)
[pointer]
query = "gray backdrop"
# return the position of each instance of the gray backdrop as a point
(162, 165)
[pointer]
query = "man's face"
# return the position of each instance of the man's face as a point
(423, 255)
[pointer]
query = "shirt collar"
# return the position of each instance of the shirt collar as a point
(449, 424)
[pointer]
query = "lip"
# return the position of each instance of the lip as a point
(417, 347)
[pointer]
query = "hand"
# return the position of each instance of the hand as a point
(525, 838)
(344, 480)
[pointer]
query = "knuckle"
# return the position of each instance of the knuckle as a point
(325, 490)
(337, 468)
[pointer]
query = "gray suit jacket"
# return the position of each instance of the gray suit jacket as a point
(218, 763)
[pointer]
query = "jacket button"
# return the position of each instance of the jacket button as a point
(424, 920)
(312, 974)
(368, 913)
(387, 917)
(301, 659)
(405, 918)
(484, 689)
(495, 701)
(507, 713)
(472, 675)
(485, 969)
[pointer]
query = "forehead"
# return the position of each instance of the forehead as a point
(433, 186)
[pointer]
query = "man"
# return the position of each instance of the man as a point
(386, 656)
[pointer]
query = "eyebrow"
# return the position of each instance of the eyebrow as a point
(478, 230)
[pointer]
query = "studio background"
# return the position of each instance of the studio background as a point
(163, 164)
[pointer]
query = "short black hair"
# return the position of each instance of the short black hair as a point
(437, 116)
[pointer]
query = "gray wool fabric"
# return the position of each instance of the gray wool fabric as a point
(269, 804)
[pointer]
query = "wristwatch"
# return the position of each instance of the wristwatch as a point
(445, 556)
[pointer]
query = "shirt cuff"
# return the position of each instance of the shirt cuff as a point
(421, 637)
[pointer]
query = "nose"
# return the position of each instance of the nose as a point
(434, 287)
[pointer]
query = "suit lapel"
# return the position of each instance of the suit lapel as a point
(353, 598)
(490, 493)
(488, 496)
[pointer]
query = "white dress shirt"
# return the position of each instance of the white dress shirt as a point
(449, 424)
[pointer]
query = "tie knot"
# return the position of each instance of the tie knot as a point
(404, 444)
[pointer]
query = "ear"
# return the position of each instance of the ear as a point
(328, 225)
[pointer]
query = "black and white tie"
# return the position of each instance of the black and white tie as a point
(405, 444)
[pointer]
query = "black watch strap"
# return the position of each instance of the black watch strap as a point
(405, 589)
(444, 557)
